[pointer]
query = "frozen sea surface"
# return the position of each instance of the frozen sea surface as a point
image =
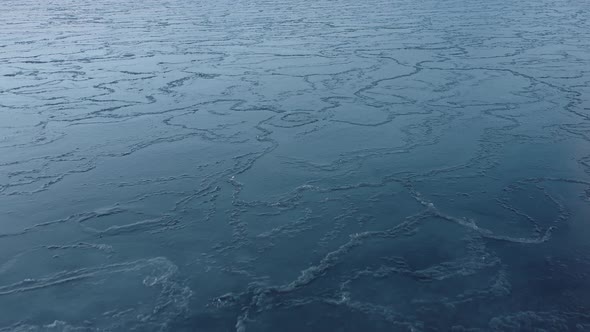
(325, 165)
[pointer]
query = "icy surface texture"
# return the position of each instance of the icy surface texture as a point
(325, 165)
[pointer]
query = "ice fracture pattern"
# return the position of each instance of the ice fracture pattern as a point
(325, 165)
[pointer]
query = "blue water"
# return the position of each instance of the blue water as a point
(325, 165)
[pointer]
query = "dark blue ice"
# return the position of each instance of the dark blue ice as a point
(281, 165)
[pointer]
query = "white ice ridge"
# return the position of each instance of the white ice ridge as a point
(471, 224)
